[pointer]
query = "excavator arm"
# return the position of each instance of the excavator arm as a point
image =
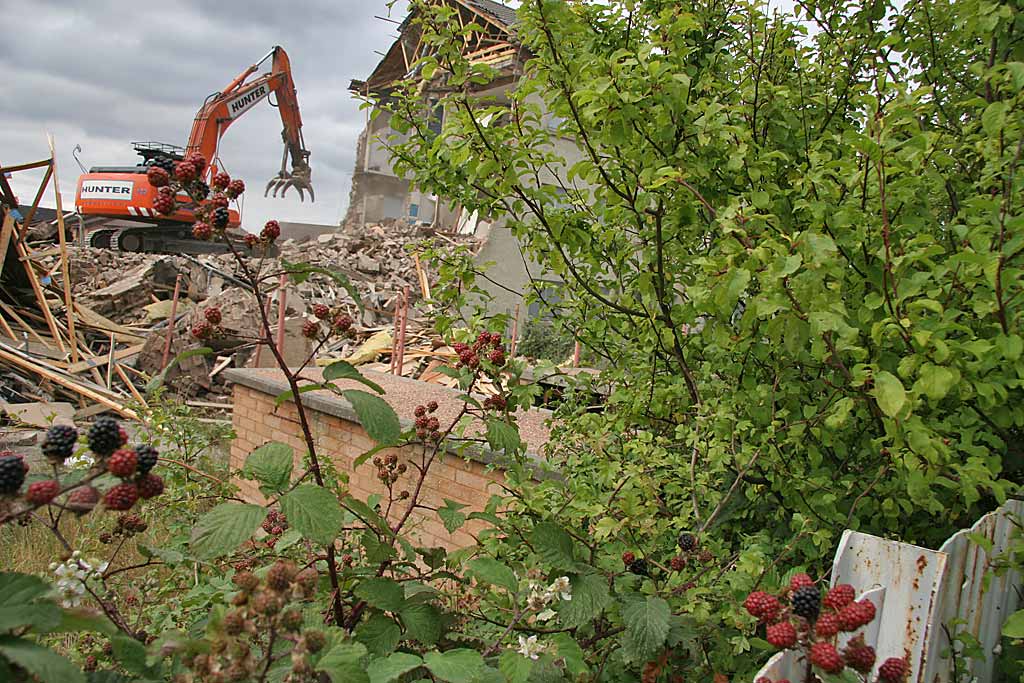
(225, 107)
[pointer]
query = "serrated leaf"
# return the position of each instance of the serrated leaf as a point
(491, 571)
(344, 663)
(165, 555)
(503, 437)
(554, 545)
(390, 668)
(567, 649)
(646, 621)
(315, 512)
(515, 666)
(451, 516)
(422, 622)
(41, 662)
(342, 369)
(271, 465)
(379, 634)
(1014, 626)
(130, 654)
(589, 597)
(936, 381)
(382, 593)
(22, 603)
(288, 539)
(375, 415)
(889, 393)
(224, 528)
(81, 620)
(455, 666)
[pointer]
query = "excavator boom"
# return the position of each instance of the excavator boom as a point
(123, 193)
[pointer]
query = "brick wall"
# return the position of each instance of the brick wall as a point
(257, 421)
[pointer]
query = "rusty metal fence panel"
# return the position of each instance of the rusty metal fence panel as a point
(924, 597)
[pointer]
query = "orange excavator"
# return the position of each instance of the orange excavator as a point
(122, 198)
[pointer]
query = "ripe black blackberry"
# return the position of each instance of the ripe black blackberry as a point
(220, 218)
(59, 442)
(104, 436)
(639, 567)
(199, 189)
(165, 163)
(806, 602)
(12, 474)
(687, 541)
(147, 456)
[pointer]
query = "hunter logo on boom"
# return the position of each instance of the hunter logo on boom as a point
(243, 103)
(107, 189)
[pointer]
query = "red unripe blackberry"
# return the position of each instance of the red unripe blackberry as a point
(202, 330)
(219, 201)
(839, 596)
(250, 240)
(164, 204)
(496, 356)
(856, 614)
(678, 563)
(271, 230)
(123, 433)
(184, 171)
(827, 626)
(220, 181)
(247, 581)
(42, 492)
(123, 463)
(310, 329)
(422, 422)
(213, 315)
(202, 230)
(276, 531)
(307, 578)
(342, 323)
(197, 160)
(763, 606)
(687, 542)
(433, 424)
(82, 500)
(121, 497)
(59, 442)
(460, 348)
(104, 436)
(234, 188)
(483, 338)
(782, 635)
(496, 402)
(806, 602)
(234, 622)
(431, 406)
(280, 575)
(220, 218)
(321, 311)
(266, 603)
(420, 411)
(825, 657)
(157, 176)
(799, 581)
(628, 558)
(315, 640)
(893, 670)
(150, 486)
(860, 658)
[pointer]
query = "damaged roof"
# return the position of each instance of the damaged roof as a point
(503, 13)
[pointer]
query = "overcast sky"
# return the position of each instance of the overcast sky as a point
(104, 73)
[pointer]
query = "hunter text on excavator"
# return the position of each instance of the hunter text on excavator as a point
(127, 207)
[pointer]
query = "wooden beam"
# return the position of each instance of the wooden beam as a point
(131, 387)
(27, 221)
(51, 322)
(24, 167)
(67, 383)
(5, 238)
(100, 361)
(28, 328)
(62, 241)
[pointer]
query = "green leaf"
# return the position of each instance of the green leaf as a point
(589, 597)
(377, 417)
(159, 379)
(289, 395)
(423, 622)
(491, 571)
(22, 603)
(382, 593)
(936, 381)
(889, 393)
(1014, 626)
(569, 650)
(344, 663)
(514, 666)
(502, 436)
(130, 654)
(393, 666)
(315, 512)
(41, 662)
(224, 528)
(554, 545)
(287, 540)
(450, 515)
(455, 666)
(342, 369)
(271, 465)
(646, 622)
(165, 555)
(379, 634)
(20, 589)
(80, 620)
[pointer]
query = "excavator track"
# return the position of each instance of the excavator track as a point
(153, 240)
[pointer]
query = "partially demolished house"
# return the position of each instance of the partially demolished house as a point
(379, 194)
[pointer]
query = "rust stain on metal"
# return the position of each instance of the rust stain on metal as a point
(922, 562)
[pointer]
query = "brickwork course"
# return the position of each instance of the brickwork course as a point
(469, 480)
